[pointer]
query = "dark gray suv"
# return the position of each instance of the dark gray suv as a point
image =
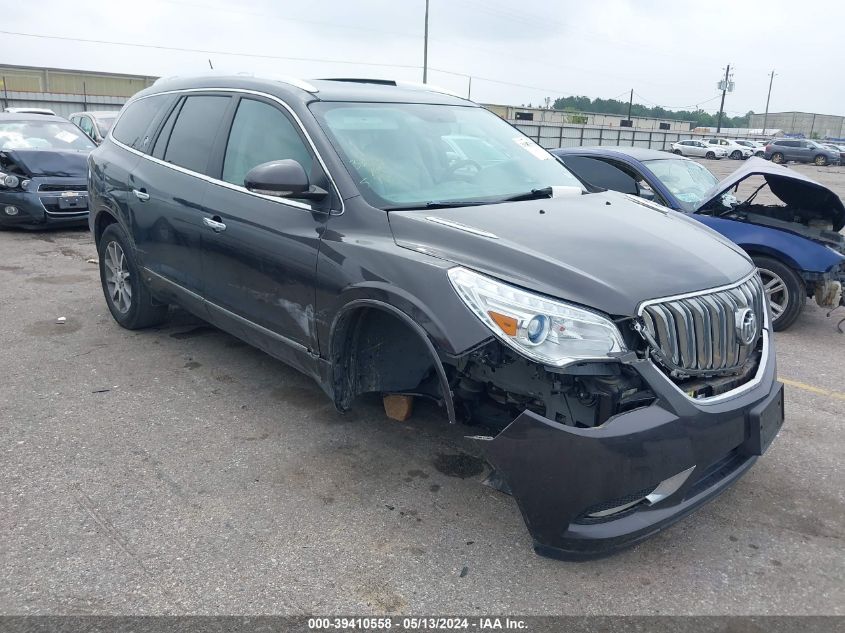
(402, 241)
(800, 150)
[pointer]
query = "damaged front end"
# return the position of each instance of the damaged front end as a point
(601, 453)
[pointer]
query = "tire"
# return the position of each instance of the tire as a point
(710, 155)
(678, 152)
(777, 158)
(820, 160)
(128, 298)
(736, 154)
(789, 291)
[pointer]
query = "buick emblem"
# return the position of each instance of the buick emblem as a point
(746, 325)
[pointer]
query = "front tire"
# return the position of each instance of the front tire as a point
(820, 160)
(785, 291)
(736, 154)
(128, 298)
(710, 155)
(678, 152)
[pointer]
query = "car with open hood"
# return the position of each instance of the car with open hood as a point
(43, 171)
(393, 239)
(794, 237)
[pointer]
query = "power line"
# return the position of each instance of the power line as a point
(206, 51)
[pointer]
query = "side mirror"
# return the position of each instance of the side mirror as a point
(283, 179)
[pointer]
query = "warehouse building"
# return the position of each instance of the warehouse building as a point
(809, 124)
(598, 119)
(65, 91)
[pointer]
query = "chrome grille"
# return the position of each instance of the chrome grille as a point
(697, 333)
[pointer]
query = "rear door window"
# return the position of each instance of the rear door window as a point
(261, 133)
(135, 124)
(194, 132)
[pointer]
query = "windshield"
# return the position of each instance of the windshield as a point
(104, 123)
(47, 135)
(405, 155)
(687, 180)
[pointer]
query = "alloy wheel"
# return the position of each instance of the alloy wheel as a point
(776, 292)
(821, 161)
(117, 277)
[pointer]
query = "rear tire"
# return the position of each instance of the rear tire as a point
(736, 154)
(785, 291)
(710, 155)
(777, 158)
(820, 160)
(128, 298)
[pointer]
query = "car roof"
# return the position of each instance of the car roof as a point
(23, 116)
(96, 113)
(637, 153)
(289, 89)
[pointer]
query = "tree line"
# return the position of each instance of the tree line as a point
(614, 106)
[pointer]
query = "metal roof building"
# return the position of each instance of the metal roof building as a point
(807, 123)
(65, 91)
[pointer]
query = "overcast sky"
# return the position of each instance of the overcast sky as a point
(671, 53)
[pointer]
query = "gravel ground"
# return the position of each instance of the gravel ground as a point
(177, 470)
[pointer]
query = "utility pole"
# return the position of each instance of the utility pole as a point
(425, 46)
(724, 88)
(630, 103)
(768, 97)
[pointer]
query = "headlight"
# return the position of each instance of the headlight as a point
(542, 329)
(10, 181)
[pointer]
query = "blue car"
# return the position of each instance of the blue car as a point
(796, 244)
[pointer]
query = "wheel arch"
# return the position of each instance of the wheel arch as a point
(349, 336)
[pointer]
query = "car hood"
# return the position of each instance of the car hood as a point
(602, 250)
(42, 162)
(793, 188)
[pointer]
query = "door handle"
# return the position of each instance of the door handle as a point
(142, 195)
(214, 224)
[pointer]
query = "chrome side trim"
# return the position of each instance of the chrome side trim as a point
(222, 183)
(246, 322)
(462, 227)
(669, 486)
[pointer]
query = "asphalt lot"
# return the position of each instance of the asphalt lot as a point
(177, 470)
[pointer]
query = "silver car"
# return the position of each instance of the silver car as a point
(697, 148)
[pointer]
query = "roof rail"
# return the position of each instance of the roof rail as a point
(292, 81)
(410, 85)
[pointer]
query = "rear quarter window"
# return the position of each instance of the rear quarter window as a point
(135, 124)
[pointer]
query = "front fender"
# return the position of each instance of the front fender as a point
(800, 253)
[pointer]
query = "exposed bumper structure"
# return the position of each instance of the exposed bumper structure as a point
(588, 492)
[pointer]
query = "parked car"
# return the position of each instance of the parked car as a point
(95, 124)
(836, 148)
(326, 223)
(797, 247)
(757, 148)
(698, 148)
(732, 148)
(42, 171)
(782, 150)
(47, 111)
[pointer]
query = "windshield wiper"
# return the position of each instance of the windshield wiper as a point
(534, 194)
(438, 204)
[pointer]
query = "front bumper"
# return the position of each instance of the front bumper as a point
(47, 201)
(565, 478)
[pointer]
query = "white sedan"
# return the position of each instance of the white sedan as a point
(757, 148)
(734, 149)
(698, 148)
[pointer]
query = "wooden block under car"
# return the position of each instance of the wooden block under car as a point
(398, 407)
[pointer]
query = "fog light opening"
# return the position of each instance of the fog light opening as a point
(10, 210)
